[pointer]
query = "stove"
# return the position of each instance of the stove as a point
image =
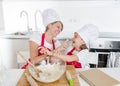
(105, 45)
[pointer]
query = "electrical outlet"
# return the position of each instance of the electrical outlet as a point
(72, 20)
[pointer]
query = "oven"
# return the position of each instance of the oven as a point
(105, 48)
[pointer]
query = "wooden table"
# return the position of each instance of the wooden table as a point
(61, 82)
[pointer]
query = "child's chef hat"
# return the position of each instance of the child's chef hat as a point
(49, 16)
(88, 32)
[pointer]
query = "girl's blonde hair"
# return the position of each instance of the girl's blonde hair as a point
(84, 46)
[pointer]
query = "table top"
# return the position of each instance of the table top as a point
(13, 75)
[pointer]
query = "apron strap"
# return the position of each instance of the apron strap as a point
(53, 43)
(71, 51)
(42, 41)
(75, 63)
(42, 44)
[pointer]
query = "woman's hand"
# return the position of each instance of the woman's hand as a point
(45, 51)
(53, 53)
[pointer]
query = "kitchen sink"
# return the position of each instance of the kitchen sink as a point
(25, 33)
(19, 33)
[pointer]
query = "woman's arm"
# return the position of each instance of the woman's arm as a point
(33, 49)
(34, 53)
(38, 59)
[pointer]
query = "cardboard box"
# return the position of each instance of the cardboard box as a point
(96, 77)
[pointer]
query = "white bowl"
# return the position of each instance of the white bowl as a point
(50, 71)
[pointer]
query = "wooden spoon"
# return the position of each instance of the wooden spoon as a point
(35, 69)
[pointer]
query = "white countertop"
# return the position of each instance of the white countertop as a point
(17, 35)
(13, 75)
(8, 36)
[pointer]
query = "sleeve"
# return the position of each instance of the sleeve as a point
(83, 55)
(36, 37)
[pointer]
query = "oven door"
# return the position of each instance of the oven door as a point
(98, 59)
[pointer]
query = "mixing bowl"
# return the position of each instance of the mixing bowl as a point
(52, 69)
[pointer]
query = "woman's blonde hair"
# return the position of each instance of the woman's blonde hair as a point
(54, 23)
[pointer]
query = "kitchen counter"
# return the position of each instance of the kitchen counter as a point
(15, 74)
(10, 36)
(17, 35)
(12, 44)
(27, 35)
(11, 77)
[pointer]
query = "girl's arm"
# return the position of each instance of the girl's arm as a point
(65, 57)
(59, 55)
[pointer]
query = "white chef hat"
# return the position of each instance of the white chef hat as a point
(49, 16)
(88, 32)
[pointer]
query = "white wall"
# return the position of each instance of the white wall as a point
(1, 17)
(74, 14)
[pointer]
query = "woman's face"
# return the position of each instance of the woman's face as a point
(77, 41)
(55, 28)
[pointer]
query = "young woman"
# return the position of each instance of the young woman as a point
(53, 27)
(80, 42)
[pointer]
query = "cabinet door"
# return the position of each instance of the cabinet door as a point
(8, 49)
(20, 60)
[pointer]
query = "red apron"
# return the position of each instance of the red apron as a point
(42, 44)
(39, 53)
(75, 63)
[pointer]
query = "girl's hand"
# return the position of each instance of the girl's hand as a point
(64, 46)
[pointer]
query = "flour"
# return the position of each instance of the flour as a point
(50, 72)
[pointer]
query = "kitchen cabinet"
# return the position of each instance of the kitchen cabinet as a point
(20, 60)
(8, 49)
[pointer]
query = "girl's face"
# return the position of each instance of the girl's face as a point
(77, 41)
(55, 28)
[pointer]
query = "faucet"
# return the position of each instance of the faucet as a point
(21, 13)
(36, 19)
